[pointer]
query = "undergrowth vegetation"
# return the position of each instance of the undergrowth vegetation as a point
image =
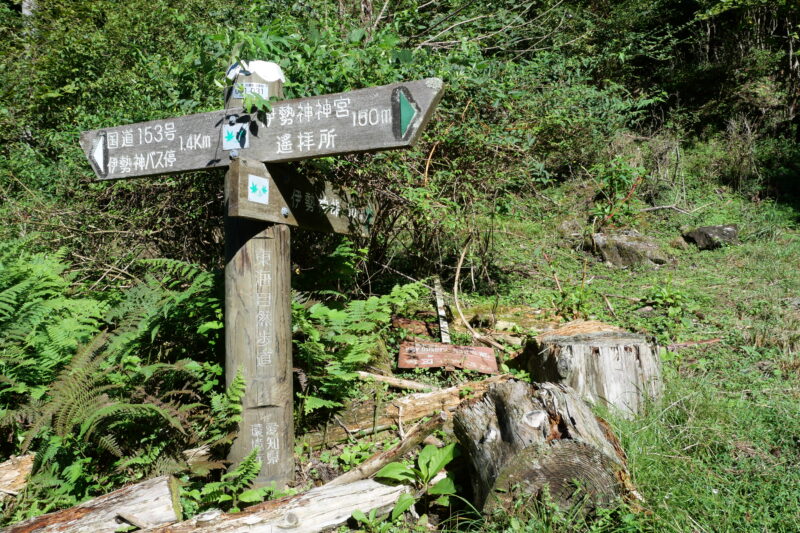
(560, 119)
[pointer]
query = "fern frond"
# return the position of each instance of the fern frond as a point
(246, 471)
(132, 410)
(109, 444)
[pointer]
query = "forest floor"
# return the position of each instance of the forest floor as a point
(719, 451)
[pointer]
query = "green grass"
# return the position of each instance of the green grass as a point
(720, 451)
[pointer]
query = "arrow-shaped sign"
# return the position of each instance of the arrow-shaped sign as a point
(287, 197)
(376, 118)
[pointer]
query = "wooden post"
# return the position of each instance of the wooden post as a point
(258, 339)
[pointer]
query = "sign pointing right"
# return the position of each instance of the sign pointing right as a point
(376, 118)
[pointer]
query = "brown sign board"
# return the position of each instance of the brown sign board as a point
(376, 118)
(287, 197)
(435, 354)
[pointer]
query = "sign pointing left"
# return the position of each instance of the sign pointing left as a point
(99, 155)
(376, 118)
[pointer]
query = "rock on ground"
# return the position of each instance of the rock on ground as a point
(711, 237)
(628, 248)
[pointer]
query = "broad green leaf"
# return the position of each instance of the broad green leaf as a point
(424, 460)
(396, 472)
(444, 486)
(404, 502)
(435, 459)
(442, 500)
(360, 516)
(252, 495)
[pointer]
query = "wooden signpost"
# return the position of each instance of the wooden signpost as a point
(259, 208)
(377, 118)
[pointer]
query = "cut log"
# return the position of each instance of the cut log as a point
(151, 503)
(522, 438)
(381, 459)
(371, 417)
(318, 509)
(605, 364)
(14, 475)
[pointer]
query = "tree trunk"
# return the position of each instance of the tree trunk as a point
(373, 417)
(147, 504)
(318, 509)
(521, 438)
(604, 364)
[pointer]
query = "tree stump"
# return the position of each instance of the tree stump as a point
(522, 438)
(604, 364)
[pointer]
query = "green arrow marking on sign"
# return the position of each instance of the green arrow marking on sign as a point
(407, 113)
(228, 135)
(254, 188)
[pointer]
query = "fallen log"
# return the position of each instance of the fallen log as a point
(146, 504)
(381, 459)
(603, 363)
(523, 439)
(14, 475)
(316, 510)
(371, 417)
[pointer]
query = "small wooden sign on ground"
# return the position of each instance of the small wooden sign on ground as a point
(435, 354)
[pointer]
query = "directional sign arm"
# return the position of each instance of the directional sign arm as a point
(376, 118)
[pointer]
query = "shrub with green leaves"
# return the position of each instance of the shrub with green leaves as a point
(331, 344)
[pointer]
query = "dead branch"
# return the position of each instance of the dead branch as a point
(398, 383)
(415, 436)
(688, 344)
(477, 336)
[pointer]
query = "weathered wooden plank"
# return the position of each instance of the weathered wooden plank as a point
(149, 504)
(397, 382)
(375, 118)
(285, 196)
(258, 338)
(316, 510)
(444, 327)
(433, 354)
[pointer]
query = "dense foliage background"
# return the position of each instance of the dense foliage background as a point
(110, 294)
